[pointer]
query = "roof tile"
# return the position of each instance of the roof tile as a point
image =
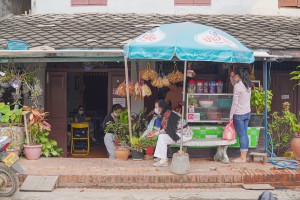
(101, 30)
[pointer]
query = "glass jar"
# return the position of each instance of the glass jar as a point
(200, 86)
(191, 86)
(205, 87)
(219, 87)
(212, 87)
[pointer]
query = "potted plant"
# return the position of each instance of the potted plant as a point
(121, 132)
(49, 147)
(11, 124)
(34, 127)
(283, 127)
(137, 147)
(295, 143)
(257, 103)
(149, 144)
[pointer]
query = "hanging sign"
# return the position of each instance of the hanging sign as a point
(121, 101)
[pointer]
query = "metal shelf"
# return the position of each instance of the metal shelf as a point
(209, 121)
(214, 94)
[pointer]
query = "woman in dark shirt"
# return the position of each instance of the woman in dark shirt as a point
(109, 138)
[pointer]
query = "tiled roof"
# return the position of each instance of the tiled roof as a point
(98, 30)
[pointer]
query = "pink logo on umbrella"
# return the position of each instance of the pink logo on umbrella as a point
(212, 38)
(152, 36)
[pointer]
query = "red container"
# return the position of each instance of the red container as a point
(149, 150)
(214, 115)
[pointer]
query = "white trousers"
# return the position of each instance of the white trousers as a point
(162, 145)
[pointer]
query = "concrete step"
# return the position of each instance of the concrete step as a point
(106, 173)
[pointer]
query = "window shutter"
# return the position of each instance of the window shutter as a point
(98, 2)
(80, 2)
(202, 2)
(184, 2)
(288, 3)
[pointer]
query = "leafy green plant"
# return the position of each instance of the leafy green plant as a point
(36, 123)
(137, 144)
(149, 142)
(121, 131)
(49, 147)
(123, 118)
(296, 74)
(139, 123)
(257, 101)
(38, 131)
(16, 76)
(192, 101)
(283, 127)
(10, 116)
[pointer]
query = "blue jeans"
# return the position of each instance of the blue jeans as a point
(241, 125)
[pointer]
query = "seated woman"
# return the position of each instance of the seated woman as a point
(80, 118)
(170, 132)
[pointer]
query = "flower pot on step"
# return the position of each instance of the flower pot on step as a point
(149, 150)
(14, 150)
(137, 155)
(32, 152)
(295, 145)
(122, 154)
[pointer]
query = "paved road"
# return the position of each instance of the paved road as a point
(190, 194)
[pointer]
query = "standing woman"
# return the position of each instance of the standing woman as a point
(240, 109)
(170, 132)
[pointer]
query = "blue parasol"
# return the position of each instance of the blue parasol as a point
(185, 41)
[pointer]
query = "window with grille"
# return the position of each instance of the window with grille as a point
(288, 3)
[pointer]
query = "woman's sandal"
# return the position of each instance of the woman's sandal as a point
(238, 160)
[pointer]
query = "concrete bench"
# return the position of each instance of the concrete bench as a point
(221, 155)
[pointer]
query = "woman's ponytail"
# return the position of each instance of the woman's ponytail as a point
(243, 73)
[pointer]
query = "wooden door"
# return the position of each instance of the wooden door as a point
(56, 105)
(283, 90)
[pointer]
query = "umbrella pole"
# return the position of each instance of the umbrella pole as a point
(183, 104)
(128, 99)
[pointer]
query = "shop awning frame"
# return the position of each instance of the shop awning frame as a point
(63, 55)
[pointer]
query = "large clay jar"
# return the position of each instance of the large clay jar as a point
(295, 145)
(122, 154)
(32, 152)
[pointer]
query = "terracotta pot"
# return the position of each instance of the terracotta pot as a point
(295, 145)
(32, 152)
(14, 150)
(122, 154)
(149, 150)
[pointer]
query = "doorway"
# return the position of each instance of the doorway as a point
(90, 90)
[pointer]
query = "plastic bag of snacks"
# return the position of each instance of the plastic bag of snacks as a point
(148, 74)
